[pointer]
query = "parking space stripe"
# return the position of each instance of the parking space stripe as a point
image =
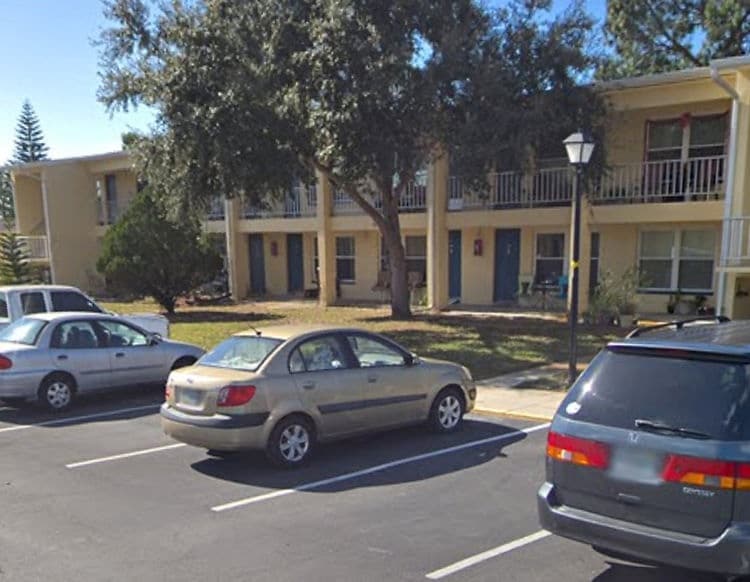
(124, 455)
(484, 556)
(59, 421)
(375, 469)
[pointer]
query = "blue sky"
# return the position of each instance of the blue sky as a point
(46, 56)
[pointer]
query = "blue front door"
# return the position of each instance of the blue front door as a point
(507, 263)
(257, 265)
(294, 263)
(454, 265)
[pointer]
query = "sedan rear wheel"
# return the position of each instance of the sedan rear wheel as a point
(291, 442)
(447, 411)
(56, 393)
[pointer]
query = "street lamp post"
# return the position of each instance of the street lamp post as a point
(579, 147)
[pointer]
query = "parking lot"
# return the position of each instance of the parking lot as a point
(101, 494)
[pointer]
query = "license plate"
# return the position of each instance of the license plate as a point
(634, 464)
(190, 397)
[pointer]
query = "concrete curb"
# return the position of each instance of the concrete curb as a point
(511, 414)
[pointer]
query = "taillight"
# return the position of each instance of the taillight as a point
(577, 451)
(235, 395)
(706, 472)
(167, 391)
(5, 363)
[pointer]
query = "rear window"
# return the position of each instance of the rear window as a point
(23, 331)
(701, 395)
(32, 302)
(240, 353)
(72, 301)
(3, 306)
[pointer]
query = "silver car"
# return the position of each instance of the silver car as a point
(51, 357)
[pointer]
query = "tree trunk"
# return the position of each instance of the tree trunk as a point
(400, 304)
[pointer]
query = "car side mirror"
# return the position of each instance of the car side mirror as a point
(153, 340)
(411, 359)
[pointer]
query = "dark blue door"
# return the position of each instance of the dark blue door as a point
(294, 263)
(454, 264)
(507, 263)
(257, 265)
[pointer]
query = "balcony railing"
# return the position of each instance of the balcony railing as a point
(36, 246)
(547, 187)
(737, 233)
(300, 202)
(216, 210)
(663, 181)
(413, 199)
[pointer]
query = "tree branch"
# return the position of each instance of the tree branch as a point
(680, 48)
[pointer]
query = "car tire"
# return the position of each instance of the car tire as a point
(56, 392)
(447, 411)
(291, 442)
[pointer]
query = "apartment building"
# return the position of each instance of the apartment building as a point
(673, 203)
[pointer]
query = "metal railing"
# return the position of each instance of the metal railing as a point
(663, 181)
(216, 210)
(737, 236)
(546, 187)
(36, 246)
(413, 199)
(301, 201)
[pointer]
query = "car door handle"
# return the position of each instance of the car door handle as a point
(62, 357)
(119, 355)
(372, 379)
(308, 385)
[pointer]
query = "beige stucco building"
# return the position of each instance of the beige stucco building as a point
(674, 204)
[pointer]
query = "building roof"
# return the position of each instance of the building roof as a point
(118, 155)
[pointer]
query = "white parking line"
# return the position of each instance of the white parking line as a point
(70, 419)
(375, 469)
(124, 455)
(493, 553)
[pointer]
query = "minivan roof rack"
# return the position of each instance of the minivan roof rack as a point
(677, 323)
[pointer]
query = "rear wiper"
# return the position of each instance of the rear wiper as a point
(679, 431)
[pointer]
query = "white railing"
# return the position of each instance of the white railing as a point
(216, 210)
(737, 236)
(413, 199)
(546, 187)
(36, 246)
(663, 181)
(302, 201)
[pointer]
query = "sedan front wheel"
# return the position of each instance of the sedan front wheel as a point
(447, 411)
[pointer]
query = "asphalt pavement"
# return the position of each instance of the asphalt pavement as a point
(100, 494)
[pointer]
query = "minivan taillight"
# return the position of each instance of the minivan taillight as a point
(577, 451)
(706, 472)
(5, 363)
(235, 395)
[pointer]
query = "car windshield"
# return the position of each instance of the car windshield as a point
(23, 331)
(635, 389)
(241, 352)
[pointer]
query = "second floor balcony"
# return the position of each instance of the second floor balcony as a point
(412, 199)
(37, 247)
(693, 179)
(300, 202)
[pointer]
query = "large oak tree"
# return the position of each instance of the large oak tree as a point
(251, 95)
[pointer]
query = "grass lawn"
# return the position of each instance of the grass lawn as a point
(487, 344)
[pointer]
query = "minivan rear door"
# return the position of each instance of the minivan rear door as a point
(649, 408)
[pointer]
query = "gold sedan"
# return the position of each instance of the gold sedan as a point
(283, 389)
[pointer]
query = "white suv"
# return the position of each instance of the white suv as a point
(19, 300)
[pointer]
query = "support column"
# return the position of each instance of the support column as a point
(326, 243)
(238, 260)
(437, 233)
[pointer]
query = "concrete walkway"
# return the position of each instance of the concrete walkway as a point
(515, 394)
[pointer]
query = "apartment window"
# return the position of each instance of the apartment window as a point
(677, 260)
(550, 258)
(345, 254)
(594, 263)
(686, 138)
(416, 256)
(110, 189)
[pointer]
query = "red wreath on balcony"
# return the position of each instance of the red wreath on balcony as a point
(685, 120)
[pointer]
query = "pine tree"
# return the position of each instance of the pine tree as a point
(7, 209)
(30, 146)
(14, 260)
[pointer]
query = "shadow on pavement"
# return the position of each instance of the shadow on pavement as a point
(361, 453)
(102, 407)
(622, 572)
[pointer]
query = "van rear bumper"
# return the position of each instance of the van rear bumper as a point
(728, 553)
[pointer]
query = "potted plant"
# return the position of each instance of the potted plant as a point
(627, 315)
